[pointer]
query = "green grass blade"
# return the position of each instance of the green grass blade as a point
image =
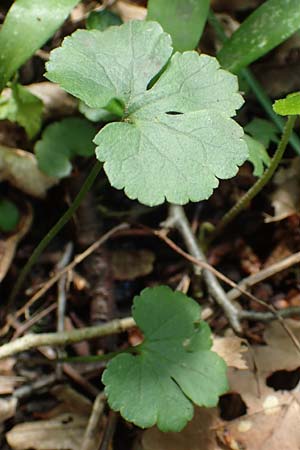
(28, 25)
(184, 20)
(269, 25)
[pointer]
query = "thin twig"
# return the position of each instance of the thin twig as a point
(66, 337)
(178, 219)
(78, 259)
(208, 267)
(270, 271)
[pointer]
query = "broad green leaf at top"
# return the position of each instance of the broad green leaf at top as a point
(174, 366)
(288, 106)
(268, 26)
(184, 20)
(177, 137)
(27, 26)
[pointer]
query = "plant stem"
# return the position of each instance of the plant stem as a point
(96, 358)
(256, 87)
(54, 231)
(65, 337)
(260, 183)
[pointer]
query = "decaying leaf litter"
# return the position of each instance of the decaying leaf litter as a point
(47, 405)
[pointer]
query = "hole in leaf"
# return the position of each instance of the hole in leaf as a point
(173, 113)
(284, 380)
(67, 420)
(232, 406)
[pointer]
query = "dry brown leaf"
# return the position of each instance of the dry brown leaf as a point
(9, 244)
(7, 408)
(286, 196)
(128, 11)
(131, 264)
(71, 401)
(20, 169)
(231, 349)
(64, 432)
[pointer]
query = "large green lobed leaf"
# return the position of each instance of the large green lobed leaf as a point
(27, 26)
(174, 367)
(175, 139)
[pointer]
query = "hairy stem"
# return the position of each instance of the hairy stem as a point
(260, 183)
(256, 87)
(54, 230)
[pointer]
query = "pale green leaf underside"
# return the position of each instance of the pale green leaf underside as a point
(152, 154)
(258, 155)
(159, 385)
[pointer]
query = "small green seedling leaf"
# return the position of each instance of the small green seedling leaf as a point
(101, 20)
(288, 106)
(258, 155)
(176, 138)
(27, 26)
(184, 20)
(174, 366)
(61, 142)
(9, 215)
(263, 131)
(269, 25)
(24, 108)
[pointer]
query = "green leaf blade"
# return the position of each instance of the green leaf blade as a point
(269, 25)
(288, 106)
(118, 63)
(9, 215)
(183, 19)
(161, 383)
(27, 26)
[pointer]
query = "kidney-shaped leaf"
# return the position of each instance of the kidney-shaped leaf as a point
(176, 138)
(174, 367)
(290, 105)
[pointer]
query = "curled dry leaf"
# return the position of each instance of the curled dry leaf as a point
(286, 196)
(128, 11)
(8, 244)
(131, 264)
(7, 408)
(20, 169)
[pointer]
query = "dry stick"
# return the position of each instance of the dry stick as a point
(250, 281)
(66, 337)
(177, 218)
(78, 259)
(93, 426)
(208, 267)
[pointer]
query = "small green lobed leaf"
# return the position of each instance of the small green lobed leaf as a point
(263, 131)
(174, 367)
(258, 155)
(288, 106)
(176, 138)
(101, 20)
(61, 142)
(24, 108)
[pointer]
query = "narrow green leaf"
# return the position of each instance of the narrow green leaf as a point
(101, 20)
(9, 215)
(24, 108)
(27, 26)
(269, 25)
(61, 142)
(174, 367)
(184, 20)
(288, 106)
